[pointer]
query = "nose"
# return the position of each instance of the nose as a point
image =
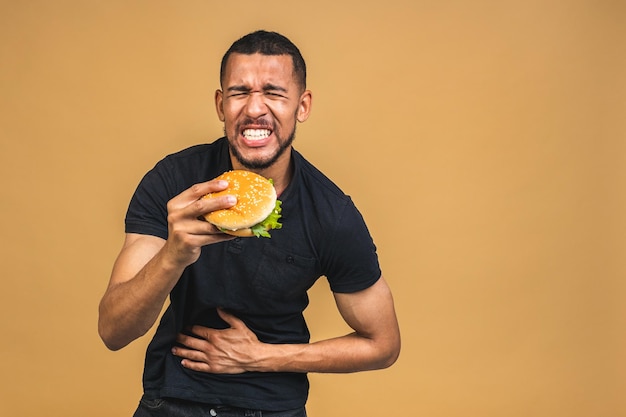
(255, 105)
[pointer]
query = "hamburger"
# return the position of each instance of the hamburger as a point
(257, 210)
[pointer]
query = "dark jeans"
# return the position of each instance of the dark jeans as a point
(166, 407)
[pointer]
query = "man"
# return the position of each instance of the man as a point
(233, 341)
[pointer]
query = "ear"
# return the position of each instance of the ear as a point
(304, 107)
(219, 104)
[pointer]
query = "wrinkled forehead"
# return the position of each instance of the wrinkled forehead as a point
(258, 68)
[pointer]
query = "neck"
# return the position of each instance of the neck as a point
(280, 172)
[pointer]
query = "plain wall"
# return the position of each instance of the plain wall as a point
(483, 141)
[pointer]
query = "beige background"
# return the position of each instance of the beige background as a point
(484, 142)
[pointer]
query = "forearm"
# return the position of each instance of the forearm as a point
(130, 308)
(375, 343)
(349, 353)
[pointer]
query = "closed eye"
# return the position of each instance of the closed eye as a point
(270, 90)
(275, 90)
(237, 90)
(275, 94)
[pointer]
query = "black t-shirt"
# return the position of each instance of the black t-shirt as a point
(262, 281)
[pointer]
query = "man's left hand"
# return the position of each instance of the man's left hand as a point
(219, 351)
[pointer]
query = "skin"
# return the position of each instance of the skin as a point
(258, 91)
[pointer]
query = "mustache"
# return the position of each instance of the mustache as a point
(260, 123)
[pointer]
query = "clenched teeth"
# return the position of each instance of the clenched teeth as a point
(256, 134)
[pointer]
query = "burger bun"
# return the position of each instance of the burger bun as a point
(256, 199)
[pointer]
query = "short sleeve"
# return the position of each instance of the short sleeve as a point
(351, 260)
(147, 211)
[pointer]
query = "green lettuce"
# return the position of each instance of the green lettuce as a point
(270, 222)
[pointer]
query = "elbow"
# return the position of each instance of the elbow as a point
(383, 355)
(112, 345)
(110, 335)
(116, 337)
(391, 355)
(114, 331)
(108, 338)
(390, 351)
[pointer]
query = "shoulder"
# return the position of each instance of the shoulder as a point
(147, 211)
(316, 181)
(195, 164)
(180, 170)
(206, 153)
(325, 204)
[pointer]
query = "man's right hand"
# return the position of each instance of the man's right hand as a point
(148, 267)
(187, 231)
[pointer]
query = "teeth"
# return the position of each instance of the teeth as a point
(256, 134)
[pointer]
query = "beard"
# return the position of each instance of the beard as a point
(260, 164)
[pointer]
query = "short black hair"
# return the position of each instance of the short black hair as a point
(268, 43)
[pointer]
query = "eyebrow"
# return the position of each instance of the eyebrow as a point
(266, 87)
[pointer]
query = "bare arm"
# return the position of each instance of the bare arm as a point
(139, 285)
(374, 344)
(148, 267)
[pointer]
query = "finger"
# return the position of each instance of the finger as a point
(190, 354)
(192, 342)
(200, 189)
(196, 366)
(202, 206)
(229, 318)
(192, 359)
(204, 366)
(196, 191)
(193, 233)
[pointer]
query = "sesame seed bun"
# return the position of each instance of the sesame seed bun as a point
(256, 199)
